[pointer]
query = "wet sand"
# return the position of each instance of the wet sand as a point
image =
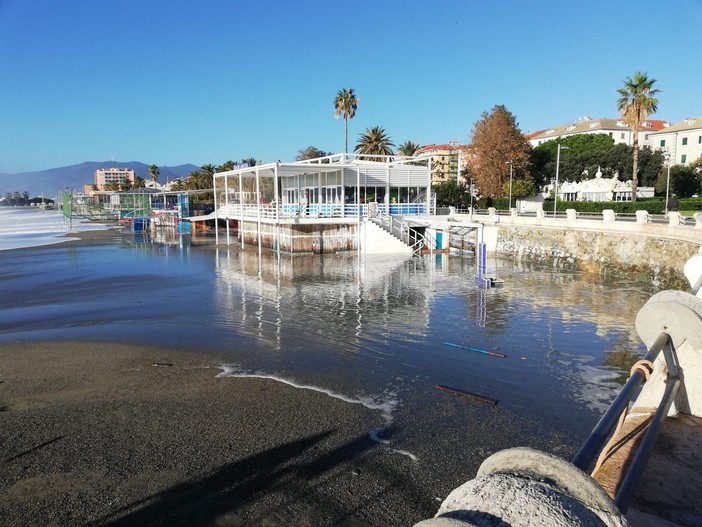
(110, 434)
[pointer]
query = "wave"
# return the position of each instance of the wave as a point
(386, 407)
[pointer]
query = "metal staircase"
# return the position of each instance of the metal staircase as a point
(401, 230)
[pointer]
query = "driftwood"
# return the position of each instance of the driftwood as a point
(463, 393)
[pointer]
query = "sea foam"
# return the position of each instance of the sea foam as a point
(384, 406)
(21, 227)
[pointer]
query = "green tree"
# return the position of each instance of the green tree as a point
(139, 182)
(374, 141)
(408, 148)
(636, 101)
(25, 197)
(154, 173)
(585, 152)
(345, 104)
(497, 140)
(250, 161)
(451, 193)
(684, 181)
(311, 152)
(521, 188)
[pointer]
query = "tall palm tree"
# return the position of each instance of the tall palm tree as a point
(374, 141)
(408, 148)
(154, 172)
(636, 101)
(345, 103)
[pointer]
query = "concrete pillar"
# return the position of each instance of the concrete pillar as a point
(513, 212)
(571, 214)
(642, 216)
(608, 215)
(674, 219)
(698, 220)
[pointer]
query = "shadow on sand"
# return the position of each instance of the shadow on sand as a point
(289, 469)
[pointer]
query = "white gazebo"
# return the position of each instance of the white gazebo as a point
(279, 204)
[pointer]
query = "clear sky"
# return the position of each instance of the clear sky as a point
(174, 81)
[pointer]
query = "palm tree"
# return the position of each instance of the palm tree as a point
(226, 166)
(374, 141)
(636, 101)
(408, 148)
(345, 103)
(154, 172)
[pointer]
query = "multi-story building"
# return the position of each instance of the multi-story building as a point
(681, 141)
(617, 129)
(105, 177)
(444, 161)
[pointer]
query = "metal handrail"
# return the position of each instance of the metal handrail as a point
(597, 438)
(595, 441)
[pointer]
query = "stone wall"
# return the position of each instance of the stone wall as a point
(658, 261)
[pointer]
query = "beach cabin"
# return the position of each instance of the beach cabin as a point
(324, 205)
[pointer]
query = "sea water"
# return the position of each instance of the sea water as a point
(30, 227)
(366, 330)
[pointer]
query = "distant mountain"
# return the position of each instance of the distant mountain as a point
(50, 182)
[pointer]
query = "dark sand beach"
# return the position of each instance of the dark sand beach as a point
(106, 434)
(113, 410)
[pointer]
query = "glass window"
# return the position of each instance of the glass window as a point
(622, 135)
(683, 158)
(684, 141)
(662, 143)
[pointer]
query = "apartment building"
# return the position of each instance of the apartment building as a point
(445, 160)
(617, 129)
(682, 142)
(111, 176)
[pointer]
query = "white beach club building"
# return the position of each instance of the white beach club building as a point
(321, 205)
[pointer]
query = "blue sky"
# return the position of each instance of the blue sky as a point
(171, 82)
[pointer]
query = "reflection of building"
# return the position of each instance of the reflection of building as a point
(333, 300)
(111, 178)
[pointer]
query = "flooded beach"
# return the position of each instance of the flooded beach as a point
(369, 334)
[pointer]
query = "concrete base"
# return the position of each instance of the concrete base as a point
(521, 487)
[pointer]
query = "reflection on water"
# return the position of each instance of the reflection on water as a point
(346, 314)
(360, 326)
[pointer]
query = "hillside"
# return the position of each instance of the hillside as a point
(50, 182)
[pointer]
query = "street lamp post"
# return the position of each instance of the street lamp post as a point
(510, 183)
(555, 190)
(667, 184)
(471, 196)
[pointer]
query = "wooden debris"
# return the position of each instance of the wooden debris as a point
(463, 393)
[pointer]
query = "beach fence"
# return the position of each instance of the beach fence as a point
(67, 207)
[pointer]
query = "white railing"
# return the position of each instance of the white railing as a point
(318, 210)
(607, 215)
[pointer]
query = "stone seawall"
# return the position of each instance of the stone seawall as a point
(658, 261)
